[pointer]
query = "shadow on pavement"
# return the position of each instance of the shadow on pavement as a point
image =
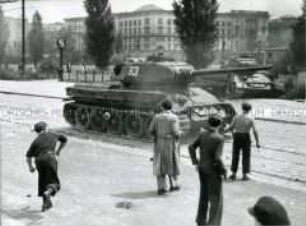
(137, 195)
(32, 215)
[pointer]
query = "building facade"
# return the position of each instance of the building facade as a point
(148, 30)
(151, 30)
(77, 29)
(14, 42)
(52, 32)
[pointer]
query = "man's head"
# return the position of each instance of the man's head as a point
(246, 107)
(268, 211)
(40, 126)
(214, 121)
(167, 105)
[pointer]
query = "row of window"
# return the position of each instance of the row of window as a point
(150, 39)
(146, 30)
(148, 46)
(146, 21)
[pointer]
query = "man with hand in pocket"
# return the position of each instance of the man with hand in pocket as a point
(211, 170)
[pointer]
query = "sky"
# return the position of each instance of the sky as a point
(57, 10)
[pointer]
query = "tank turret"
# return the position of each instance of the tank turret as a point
(127, 103)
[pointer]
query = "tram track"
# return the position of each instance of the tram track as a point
(31, 95)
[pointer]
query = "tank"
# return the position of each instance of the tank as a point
(253, 81)
(126, 104)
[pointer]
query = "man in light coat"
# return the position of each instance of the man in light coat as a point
(166, 131)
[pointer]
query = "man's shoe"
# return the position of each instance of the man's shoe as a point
(47, 204)
(161, 191)
(245, 178)
(175, 188)
(232, 177)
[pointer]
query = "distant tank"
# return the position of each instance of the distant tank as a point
(251, 81)
(127, 103)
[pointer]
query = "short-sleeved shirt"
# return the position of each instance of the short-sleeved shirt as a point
(45, 142)
(242, 124)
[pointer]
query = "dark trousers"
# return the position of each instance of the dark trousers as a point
(242, 141)
(211, 199)
(46, 165)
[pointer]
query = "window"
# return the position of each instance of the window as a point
(160, 20)
(160, 30)
(169, 30)
(147, 21)
(169, 21)
(147, 46)
(147, 30)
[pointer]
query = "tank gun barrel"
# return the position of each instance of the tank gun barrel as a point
(252, 69)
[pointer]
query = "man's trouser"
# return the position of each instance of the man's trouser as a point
(211, 200)
(242, 141)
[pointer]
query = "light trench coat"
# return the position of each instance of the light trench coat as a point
(166, 131)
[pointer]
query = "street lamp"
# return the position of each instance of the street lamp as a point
(61, 44)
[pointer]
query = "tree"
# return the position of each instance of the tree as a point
(36, 39)
(195, 25)
(99, 31)
(298, 43)
(4, 34)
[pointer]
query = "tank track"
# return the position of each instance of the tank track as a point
(126, 122)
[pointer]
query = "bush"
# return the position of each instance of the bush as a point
(16, 75)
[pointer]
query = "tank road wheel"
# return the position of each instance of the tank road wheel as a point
(134, 125)
(83, 118)
(115, 123)
(98, 120)
(69, 113)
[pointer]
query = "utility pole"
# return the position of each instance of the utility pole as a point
(23, 50)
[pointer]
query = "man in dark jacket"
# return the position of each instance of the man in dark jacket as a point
(211, 169)
(43, 150)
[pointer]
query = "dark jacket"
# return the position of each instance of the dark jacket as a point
(211, 148)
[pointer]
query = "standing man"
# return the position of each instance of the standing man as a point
(43, 149)
(166, 132)
(241, 126)
(211, 169)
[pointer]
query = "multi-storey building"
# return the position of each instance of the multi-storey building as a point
(77, 29)
(51, 34)
(14, 42)
(242, 31)
(148, 30)
(151, 30)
